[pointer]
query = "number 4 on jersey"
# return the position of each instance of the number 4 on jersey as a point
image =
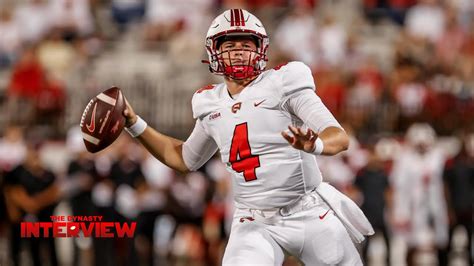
(241, 156)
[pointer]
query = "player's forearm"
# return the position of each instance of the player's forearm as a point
(166, 149)
(335, 140)
(33, 204)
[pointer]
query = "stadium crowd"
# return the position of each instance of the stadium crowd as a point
(399, 74)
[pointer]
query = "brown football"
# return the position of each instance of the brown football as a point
(102, 120)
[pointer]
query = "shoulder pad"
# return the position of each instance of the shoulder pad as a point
(295, 76)
(205, 100)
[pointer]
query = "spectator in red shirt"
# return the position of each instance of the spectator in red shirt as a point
(26, 81)
(32, 95)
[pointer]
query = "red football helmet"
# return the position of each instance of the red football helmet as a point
(236, 23)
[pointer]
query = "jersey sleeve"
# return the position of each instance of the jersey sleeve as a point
(308, 107)
(198, 148)
(295, 76)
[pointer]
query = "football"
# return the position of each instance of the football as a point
(102, 120)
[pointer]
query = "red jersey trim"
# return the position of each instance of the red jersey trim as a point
(280, 66)
(205, 88)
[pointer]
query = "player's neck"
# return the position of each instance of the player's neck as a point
(237, 86)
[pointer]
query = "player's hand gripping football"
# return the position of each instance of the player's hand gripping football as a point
(129, 114)
(300, 140)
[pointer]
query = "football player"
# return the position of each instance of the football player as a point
(268, 126)
(419, 203)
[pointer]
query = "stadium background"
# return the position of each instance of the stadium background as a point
(379, 66)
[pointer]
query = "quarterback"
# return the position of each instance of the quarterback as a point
(268, 126)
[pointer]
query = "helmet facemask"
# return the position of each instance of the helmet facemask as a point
(228, 64)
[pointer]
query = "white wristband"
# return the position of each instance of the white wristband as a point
(137, 129)
(318, 147)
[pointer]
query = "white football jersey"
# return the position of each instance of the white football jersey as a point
(267, 171)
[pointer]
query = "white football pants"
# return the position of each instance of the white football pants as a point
(314, 235)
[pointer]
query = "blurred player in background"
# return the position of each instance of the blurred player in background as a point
(374, 191)
(31, 195)
(81, 171)
(281, 201)
(419, 204)
(459, 188)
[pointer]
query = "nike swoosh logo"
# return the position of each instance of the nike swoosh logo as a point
(324, 215)
(246, 218)
(91, 126)
(257, 104)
